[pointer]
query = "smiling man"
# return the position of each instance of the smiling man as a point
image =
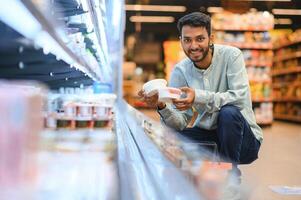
(216, 84)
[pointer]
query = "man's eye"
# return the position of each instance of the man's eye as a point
(186, 40)
(200, 39)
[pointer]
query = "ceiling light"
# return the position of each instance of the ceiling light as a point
(215, 9)
(286, 11)
(152, 19)
(155, 8)
(267, 0)
(283, 21)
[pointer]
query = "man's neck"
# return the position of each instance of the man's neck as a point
(205, 63)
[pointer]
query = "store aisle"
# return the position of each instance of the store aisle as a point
(279, 161)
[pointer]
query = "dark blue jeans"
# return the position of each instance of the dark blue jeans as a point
(234, 138)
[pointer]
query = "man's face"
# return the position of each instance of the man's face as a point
(195, 42)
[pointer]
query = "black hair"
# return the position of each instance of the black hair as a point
(195, 19)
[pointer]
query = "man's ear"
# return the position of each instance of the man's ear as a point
(212, 38)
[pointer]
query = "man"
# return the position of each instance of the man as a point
(215, 82)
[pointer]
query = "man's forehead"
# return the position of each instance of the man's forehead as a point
(195, 31)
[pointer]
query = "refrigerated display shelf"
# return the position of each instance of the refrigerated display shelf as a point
(293, 118)
(144, 171)
(49, 36)
(288, 56)
(291, 70)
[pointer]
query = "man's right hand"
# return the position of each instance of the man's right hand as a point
(151, 101)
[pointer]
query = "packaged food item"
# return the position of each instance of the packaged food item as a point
(151, 87)
(21, 121)
(168, 94)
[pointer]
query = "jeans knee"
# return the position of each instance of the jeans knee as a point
(228, 114)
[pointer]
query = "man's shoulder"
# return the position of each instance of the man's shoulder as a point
(184, 63)
(227, 50)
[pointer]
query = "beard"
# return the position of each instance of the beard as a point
(197, 54)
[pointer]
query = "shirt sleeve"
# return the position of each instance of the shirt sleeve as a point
(238, 85)
(170, 115)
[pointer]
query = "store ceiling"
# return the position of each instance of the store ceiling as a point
(169, 29)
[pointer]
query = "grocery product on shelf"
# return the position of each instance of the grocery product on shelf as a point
(20, 124)
(87, 159)
(287, 77)
(288, 39)
(253, 21)
(248, 39)
(78, 111)
(30, 167)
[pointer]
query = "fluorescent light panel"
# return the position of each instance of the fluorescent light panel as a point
(267, 0)
(155, 8)
(152, 19)
(283, 21)
(286, 11)
(215, 9)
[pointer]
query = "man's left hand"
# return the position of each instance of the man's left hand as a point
(185, 103)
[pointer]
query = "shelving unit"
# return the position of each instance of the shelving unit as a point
(255, 43)
(287, 78)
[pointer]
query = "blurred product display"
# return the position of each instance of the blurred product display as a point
(287, 77)
(250, 33)
(21, 121)
(251, 21)
(78, 111)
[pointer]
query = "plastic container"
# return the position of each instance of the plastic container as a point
(168, 94)
(152, 87)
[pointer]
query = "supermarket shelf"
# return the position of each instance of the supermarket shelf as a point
(264, 123)
(279, 72)
(287, 117)
(286, 44)
(250, 28)
(243, 45)
(259, 100)
(288, 99)
(281, 84)
(257, 63)
(288, 56)
(260, 81)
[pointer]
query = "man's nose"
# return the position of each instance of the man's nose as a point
(194, 44)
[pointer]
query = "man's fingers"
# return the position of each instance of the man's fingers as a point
(183, 108)
(141, 93)
(184, 89)
(176, 101)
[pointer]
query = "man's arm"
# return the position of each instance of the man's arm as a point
(237, 93)
(169, 114)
